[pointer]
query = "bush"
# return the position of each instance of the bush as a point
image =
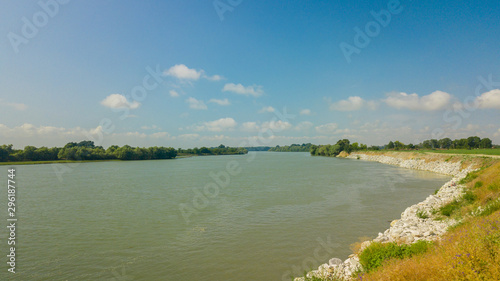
(422, 214)
(449, 208)
(375, 254)
(470, 177)
(470, 197)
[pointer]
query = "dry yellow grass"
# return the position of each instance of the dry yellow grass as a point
(468, 252)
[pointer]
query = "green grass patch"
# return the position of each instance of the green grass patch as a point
(491, 208)
(375, 254)
(485, 151)
(450, 208)
(494, 187)
(422, 214)
(469, 197)
(470, 177)
(478, 184)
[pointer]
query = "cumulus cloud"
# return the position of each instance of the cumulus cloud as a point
(489, 99)
(223, 102)
(267, 109)
(183, 72)
(250, 127)
(435, 101)
(196, 104)
(327, 129)
(173, 94)
(214, 77)
(119, 101)
(303, 126)
(239, 89)
(305, 112)
(352, 104)
(276, 126)
(223, 124)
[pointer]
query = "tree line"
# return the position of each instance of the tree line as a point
(446, 143)
(84, 150)
(87, 150)
(473, 142)
(341, 145)
(305, 147)
(220, 150)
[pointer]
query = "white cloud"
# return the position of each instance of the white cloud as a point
(305, 112)
(213, 78)
(160, 135)
(153, 127)
(267, 109)
(196, 104)
(489, 99)
(352, 104)
(181, 71)
(223, 124)
(220, 102)
(435, 101)
(119, 101)
(327, 129)
(303, 126)
(16, 106)
(174, 93)
(276, 126)
(239, 89)
(250, 127)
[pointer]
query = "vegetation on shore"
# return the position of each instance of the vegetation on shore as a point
(469, 250)
(305, 147)
(85, 151)
(470, 145)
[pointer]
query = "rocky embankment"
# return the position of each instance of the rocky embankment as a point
(410, 227)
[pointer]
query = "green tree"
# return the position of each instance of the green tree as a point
(390, 145)
(445, 143)
(486, 143)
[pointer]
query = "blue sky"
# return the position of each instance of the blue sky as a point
(201, 73)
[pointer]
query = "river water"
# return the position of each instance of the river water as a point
(262, 216)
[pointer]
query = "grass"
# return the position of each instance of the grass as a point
(422, 214)
(485, 151)
(375, 254)
(469, 250)
(450, 208)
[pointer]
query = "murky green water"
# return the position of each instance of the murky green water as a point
(280, 214)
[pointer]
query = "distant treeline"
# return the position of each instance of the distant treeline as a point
(220, 150)
(446, 143)
(258, 148)
(87, 150)
(336, 149)
(305, 147)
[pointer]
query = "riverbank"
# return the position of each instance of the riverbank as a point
(417, 221)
